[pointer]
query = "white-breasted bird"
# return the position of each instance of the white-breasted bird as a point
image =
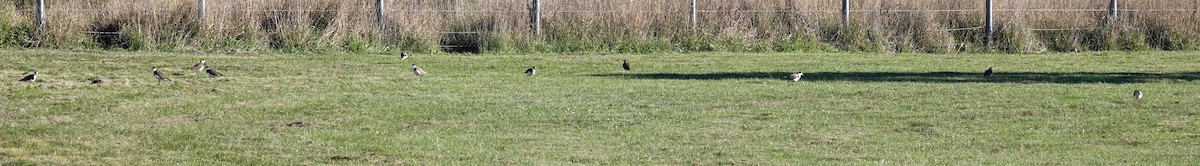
(30, 77)
(1137, 94)
(418, 70)
(199, 67)
(988, 72)
(531, 71)
(795, 76)
(157, 74)
(404, 55)
(625, 65)
(212, 73)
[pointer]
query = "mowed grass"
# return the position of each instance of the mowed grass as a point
(697, 108)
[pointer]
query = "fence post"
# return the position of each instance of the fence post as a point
(1112, 10)
(845, 12)
(988, 26)
(693, 15)
(380, 18)
(41, 18)
(535, 17)
(201, 11)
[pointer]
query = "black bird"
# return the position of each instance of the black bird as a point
(418, 70)
(988, 72)
(212, 73)
(1137, 94)
(403, 55)
(30, 78)
(625, 65)
(161, 77)
(531, 71)
(97, 81)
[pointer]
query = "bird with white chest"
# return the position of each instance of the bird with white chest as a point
(531, 71)
(159, 75)
(30, 77)
(418, 70)
(795, 76)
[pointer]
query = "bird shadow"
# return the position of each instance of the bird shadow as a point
(930, 77)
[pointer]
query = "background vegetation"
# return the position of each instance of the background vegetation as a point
(592, 26)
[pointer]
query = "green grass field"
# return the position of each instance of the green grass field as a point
(696, 108)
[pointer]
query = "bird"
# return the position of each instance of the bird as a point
(199, 67)
(531, 71)
(404, 55)
(97, 81)
(211, 72)
(161, 77)
(418, 71)
(625, 65)
(1137, 94)
(988, 72)
(795, 77)
(30, 77)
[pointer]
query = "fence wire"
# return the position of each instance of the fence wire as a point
(695, 10)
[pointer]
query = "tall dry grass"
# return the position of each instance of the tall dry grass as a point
(600, 25)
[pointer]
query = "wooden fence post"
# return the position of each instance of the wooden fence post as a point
(845, 12)
(535, 17)
(41, 17)
(988, 26)
(693, 15)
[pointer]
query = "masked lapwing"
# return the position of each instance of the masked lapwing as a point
(1137, 94)
(199, 67)
(404, 55)
(30, 77)
(418, 70)
(531, 71)
(212, 73)
(795, 76)
(159, 75)
(625, 65)
(988, 72)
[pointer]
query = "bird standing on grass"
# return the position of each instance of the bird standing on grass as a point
(988, 72)
(159, 75)
(531, 71)
(795, 76)
(199, 67)
(625, 65)
(212, 73)
(1137, 94)
(404, 55)
(30, 77)
(418, 71)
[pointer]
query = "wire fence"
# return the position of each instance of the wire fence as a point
(690, 9)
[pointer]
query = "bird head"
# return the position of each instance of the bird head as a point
(207, 68)
(201, 61)
(153, 68)
(34, 72)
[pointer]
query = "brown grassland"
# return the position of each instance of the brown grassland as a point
(600, 25)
